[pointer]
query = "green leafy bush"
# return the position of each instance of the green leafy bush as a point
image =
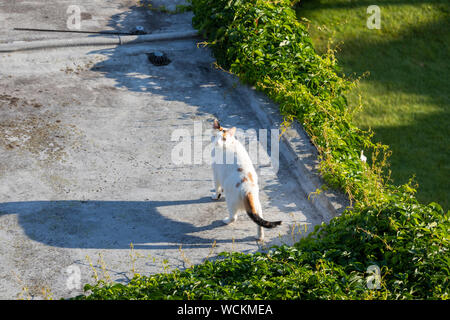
(264, 44)
(407, 241)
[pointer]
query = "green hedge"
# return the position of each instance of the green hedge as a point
(408, 243)
(263, 43)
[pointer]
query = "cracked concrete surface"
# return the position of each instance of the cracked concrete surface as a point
(86, 159)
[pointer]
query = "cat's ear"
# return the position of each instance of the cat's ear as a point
(231, 131)
(216, 124)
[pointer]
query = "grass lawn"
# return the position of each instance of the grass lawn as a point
(405, 95)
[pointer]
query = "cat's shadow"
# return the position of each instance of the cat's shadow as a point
(115, 224)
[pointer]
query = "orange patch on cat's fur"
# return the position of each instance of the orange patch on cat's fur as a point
(250, 203)
(250, 177)
(217, 125)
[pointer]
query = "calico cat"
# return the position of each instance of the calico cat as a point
(237, 178)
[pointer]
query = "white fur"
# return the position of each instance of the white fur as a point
(229, 180)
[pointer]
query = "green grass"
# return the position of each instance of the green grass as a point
(405, 96)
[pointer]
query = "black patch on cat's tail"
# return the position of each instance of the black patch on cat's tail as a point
(261, 222)
(251, 211)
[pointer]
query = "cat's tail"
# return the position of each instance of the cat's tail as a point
(250, 208)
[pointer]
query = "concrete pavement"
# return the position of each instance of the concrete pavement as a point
(86, 158)
(94, 15)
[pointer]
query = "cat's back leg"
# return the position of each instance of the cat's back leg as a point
(218, 189)
(233, 209)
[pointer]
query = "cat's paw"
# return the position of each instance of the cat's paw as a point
(216, 196)
(228, 220)
(260, 235)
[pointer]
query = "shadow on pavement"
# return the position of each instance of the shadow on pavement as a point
(109, 224)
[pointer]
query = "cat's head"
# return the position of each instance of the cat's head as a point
(222, 136)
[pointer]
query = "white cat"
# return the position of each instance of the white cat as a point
(234, 174)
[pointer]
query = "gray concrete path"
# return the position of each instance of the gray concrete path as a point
(86, 165)
(95, 15)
